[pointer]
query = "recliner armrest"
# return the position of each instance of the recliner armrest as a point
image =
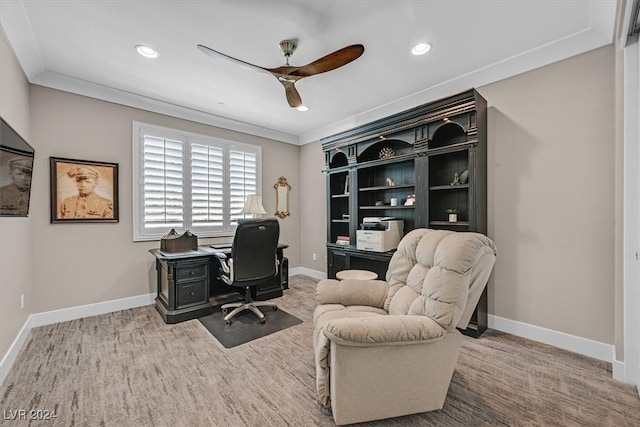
(383, 330)
(372, 293)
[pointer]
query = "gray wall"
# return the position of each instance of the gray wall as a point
(88, 263)
(15, 233)
(551, 195)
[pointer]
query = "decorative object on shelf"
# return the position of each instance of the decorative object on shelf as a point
(173, 242)
(386, 153)
(345, 216)
(394, 201)
(411, 200)
(282, 197)
(83, 191)
(464, 176)
(346, 184)
(390, 182)
(379, 203)
(456, 179)
(253, 205)
(453, 215)
(343, 240)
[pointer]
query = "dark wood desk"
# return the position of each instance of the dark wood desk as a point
(188, 288)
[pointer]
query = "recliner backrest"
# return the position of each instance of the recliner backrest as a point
(254, 249)
(440, 274)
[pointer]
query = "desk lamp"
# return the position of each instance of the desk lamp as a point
(253, 205)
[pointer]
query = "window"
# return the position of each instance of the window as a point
(190, 182)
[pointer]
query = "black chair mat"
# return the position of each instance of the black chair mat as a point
(245, 326)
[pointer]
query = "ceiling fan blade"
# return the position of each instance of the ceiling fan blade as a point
(216, 54)
(293, 97)
(331, 61)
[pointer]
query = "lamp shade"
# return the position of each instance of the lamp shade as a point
(253, 205)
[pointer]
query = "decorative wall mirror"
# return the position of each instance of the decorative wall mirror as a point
(282, 197)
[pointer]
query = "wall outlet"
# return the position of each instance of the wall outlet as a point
(314, 257)
(22, 301)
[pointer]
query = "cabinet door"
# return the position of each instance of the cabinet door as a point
(336, 261)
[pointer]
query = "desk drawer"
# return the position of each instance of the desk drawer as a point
(190, 271)
(192, 293)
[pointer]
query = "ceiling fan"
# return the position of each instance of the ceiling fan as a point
(288, 75)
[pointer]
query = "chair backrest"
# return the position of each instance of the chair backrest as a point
(440, 274)
(254, 250)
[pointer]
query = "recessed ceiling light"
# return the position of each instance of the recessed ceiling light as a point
(421, 48)
(302, 108)
(146, 51)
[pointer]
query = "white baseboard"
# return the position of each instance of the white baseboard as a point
(579, 345)
(63, 315)
(72, 313)
(10, 356)
(618, 370)
(308, 272)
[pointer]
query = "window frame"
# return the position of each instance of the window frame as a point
(140, 129)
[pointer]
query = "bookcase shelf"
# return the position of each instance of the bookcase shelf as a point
(434, 153)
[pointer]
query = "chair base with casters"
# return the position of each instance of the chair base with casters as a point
(247, 304)
(254, 259)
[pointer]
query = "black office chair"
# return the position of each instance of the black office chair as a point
(253, 260)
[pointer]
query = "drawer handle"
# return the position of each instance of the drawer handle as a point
(192, 293)
(192, 272)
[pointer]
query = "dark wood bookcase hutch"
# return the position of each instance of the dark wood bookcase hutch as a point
(416, 152)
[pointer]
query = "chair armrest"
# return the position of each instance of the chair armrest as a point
(383, 330)
(223, 262)
(372, 293)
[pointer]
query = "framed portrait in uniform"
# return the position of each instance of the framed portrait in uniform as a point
(83, 191)
(16, 166)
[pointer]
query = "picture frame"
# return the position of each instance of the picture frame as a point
(16, 167)
(15, 182)
(83, 190)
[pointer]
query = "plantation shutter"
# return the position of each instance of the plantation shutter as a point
(243, 180)
(190, 182)
(207, 185)
(163, 183)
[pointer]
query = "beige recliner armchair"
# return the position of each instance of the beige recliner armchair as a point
(386, 349)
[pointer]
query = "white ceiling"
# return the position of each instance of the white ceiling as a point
(87, 47)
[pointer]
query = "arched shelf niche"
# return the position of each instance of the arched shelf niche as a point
(449, 133)
(338, 159)
(393, 147)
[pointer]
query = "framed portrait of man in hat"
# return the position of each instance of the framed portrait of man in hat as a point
(16, 166)
(83, 191)
(15, 183)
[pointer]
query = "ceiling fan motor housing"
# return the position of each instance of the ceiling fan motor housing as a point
(287, 47)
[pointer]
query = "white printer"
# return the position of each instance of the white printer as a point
(379, 234)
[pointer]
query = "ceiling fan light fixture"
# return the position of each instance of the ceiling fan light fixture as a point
(146, 51)
(421, 48)
(302, 108)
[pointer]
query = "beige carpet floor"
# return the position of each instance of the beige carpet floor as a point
(129, 368)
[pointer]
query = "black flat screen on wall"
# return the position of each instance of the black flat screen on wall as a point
(16, 166)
